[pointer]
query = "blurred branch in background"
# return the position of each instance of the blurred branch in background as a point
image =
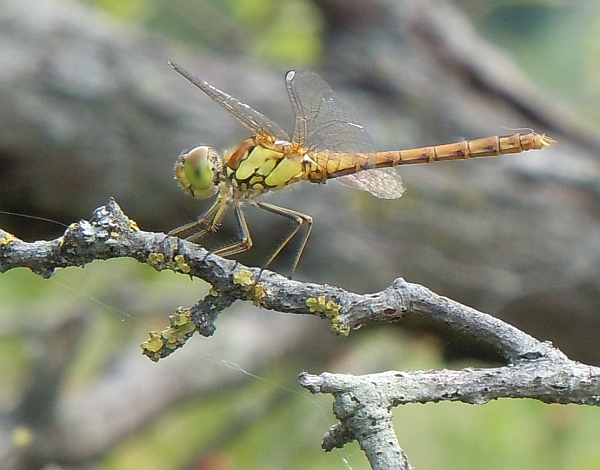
(89, 109)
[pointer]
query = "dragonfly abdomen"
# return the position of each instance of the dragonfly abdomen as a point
(334, 164)
(485, 147)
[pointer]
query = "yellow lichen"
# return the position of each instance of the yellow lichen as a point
(243, 278)
(256, 290)
(171, 338)
(257, 294)
(181, 327)
(7, 239)
(154, 343)
(154, 259)
(338, 328)
(181, 265)
(322, 305)
(329, 309)
(133, 226)
(181, 317)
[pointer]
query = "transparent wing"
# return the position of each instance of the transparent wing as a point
(324, 122)
(384, 183)
(249, 117)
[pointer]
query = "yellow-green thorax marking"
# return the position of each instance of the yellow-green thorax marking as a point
(257, 166)
(265, 166)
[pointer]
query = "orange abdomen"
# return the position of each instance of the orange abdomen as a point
(335, 164)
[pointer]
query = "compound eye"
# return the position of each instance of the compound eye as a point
(195, 171)
(198, 168)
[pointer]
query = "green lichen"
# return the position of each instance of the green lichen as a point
(181, 317)
(180, 330)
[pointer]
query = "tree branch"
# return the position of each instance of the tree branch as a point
(363, 404)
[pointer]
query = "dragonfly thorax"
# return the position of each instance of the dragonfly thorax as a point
(259, 165)
(199, 171)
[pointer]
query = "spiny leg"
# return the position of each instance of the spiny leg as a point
(299, 218)
(208, 222)
(245, 240)
(213, 215)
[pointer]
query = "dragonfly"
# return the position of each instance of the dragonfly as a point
(327, 143)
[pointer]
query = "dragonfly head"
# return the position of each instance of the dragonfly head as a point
(198, 171)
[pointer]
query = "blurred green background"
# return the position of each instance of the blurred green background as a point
(266, 421)
(555, 42)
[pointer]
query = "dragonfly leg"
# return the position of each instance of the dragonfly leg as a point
(208, 222)
(299, 219)
(245, 240)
